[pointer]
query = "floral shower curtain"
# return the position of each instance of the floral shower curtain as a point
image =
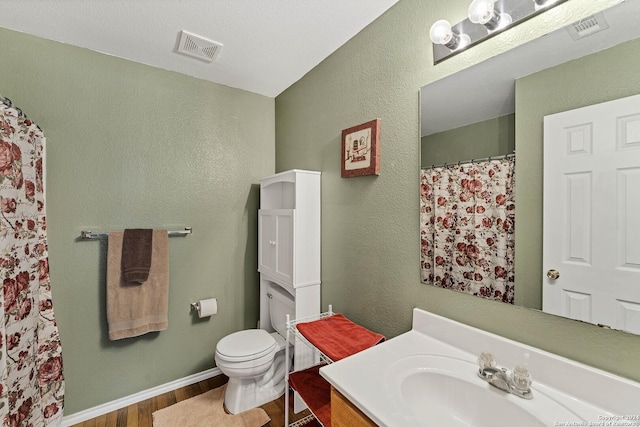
(31, 380)
(467, 228)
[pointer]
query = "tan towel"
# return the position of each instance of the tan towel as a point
(132, 309)
(136, 254)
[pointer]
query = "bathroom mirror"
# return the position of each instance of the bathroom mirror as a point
(472, 114)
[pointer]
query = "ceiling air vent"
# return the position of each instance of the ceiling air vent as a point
(587, 26)
(198, 47)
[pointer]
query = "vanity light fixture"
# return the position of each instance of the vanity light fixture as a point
(486, 18)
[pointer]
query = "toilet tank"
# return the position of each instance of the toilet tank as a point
(281, 303)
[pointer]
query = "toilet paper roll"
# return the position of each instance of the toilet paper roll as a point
(207, 307)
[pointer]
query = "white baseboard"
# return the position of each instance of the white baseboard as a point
(123, 402)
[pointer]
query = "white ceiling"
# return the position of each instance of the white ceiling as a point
(267, 44)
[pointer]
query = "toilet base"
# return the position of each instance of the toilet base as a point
(246, 393)
(240, 397)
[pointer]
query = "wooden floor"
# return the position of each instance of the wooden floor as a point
(139, 414)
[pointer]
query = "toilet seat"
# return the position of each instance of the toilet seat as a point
(245, 345)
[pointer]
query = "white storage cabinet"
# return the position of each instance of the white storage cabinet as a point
(289, 248)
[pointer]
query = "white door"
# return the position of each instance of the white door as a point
(592, 214)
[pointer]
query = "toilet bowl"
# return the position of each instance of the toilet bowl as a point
(254, 359)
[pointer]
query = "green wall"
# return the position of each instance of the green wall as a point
(610, 74)
(370, 241)
(493, 137)
(134, 146)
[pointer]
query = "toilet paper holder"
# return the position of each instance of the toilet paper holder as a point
(205, 307)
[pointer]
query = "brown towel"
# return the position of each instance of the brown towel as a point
(134, 310)
(136, 254)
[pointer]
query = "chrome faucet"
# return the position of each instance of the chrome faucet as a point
(518, 382)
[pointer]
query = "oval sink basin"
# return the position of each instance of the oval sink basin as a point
(444, 391)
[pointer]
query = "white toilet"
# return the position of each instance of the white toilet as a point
(254, 359)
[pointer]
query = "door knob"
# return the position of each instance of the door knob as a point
(553, 274)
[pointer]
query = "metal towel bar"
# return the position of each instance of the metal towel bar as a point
(88, 235)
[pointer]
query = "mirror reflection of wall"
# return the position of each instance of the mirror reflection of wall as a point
(598, 77)
(493, 137)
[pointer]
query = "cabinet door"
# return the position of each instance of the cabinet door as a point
(275, 253)
(266, 254)
(284, 246)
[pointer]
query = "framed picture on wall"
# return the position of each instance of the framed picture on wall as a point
(361, 150)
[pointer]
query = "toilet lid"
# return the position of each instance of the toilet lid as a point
(243, 345)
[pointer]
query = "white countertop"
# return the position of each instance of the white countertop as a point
(361, 377)
(590, 392)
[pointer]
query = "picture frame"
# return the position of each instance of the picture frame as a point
(361, 150)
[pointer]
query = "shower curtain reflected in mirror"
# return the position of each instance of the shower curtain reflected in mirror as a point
(31, 380)
(467, 228)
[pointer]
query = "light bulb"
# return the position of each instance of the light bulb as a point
(481, 11)
(504, 19)
(440, 32)
(544, 3)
